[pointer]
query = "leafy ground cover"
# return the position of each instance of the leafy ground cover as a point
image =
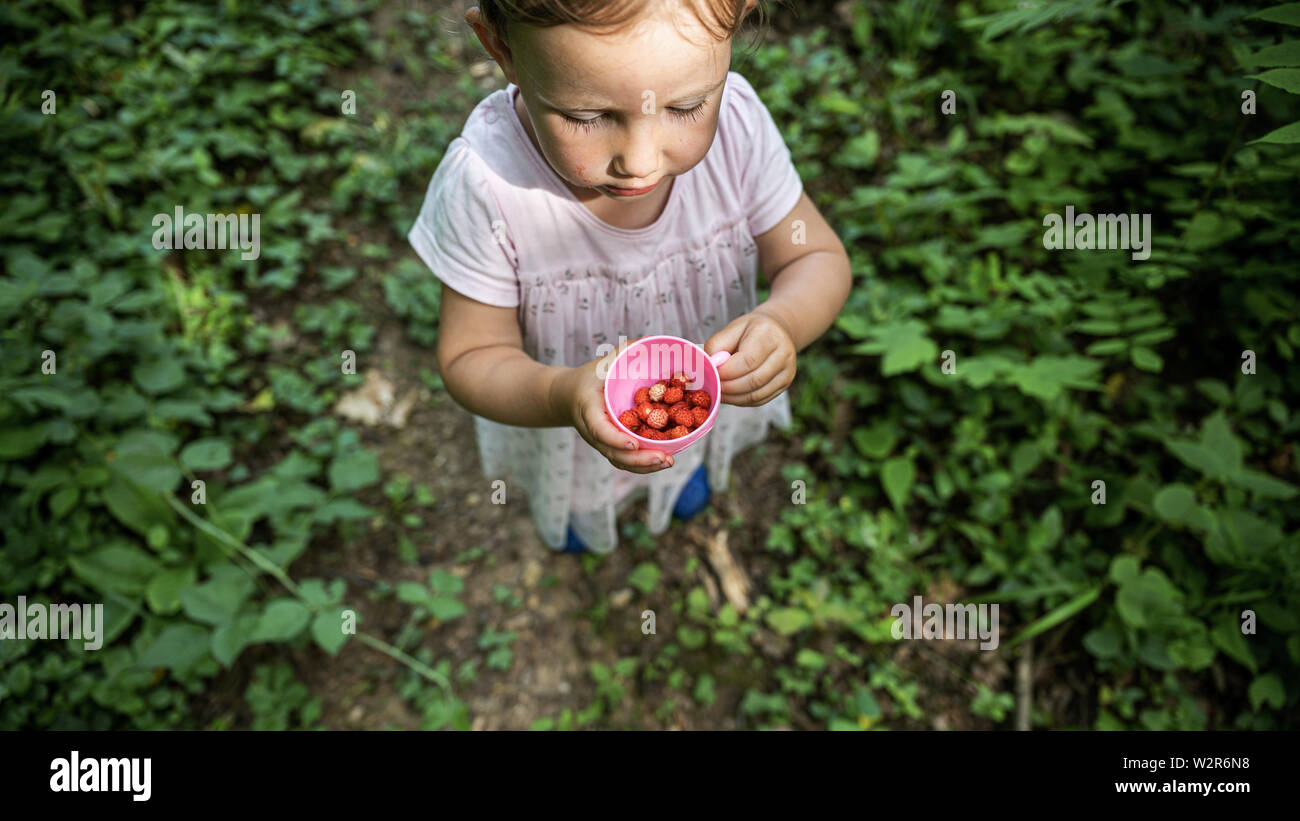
(952, 429)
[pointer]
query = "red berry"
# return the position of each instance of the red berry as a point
(700, 398)
(684, 418)
(657, 418)
(657, 391)
(651, 433)
(678, 406)
(644, 409)
(681, 379)
(678, 432)
(641, 396)
(700, 414)
(630, 420)
(673, 395)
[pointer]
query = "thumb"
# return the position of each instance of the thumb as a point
(728, 338)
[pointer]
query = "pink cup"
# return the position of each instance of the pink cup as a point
(648, 360)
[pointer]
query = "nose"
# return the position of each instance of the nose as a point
(638, 157)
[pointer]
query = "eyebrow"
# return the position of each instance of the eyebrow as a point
(676, 101)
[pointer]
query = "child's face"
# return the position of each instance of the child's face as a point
(648, 95)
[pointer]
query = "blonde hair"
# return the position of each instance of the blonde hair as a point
(721, 18)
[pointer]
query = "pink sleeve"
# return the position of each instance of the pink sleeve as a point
(457, 231)
(769, 182)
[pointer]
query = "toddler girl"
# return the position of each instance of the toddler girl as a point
(624, 184)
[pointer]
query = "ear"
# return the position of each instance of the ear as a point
(497, 47)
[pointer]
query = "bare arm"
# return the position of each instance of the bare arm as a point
(810, 282)
(485, 369)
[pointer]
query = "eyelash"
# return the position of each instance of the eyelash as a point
(587, 125)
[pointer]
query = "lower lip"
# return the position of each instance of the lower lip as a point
(630, 192)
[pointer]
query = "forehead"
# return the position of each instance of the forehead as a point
(671, 54)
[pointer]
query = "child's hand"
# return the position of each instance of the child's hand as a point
(762, 362)
(583, 392)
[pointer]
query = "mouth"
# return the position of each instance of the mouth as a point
(631, 192)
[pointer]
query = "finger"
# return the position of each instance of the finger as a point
(766, 392)
(727, 339)
(750, 354)
(754, 380)
(603, 430)
(642, 461)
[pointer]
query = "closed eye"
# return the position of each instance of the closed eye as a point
(577, 124)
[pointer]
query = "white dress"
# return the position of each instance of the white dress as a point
(499, 226)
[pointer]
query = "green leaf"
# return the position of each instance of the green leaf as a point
(876, 441)
(445, 608)
(904, 344)
(206, 454)
(1218, 437)
(897, 476)
(1149, 600)
(788, 620)
(1263, 485)
(282, 619)
(1287, 14)
(1146, 359)
(1286, 135)
(413, 593)
(164, 591)
(353, 470)
(21, 442)
(1177, 504)
(177, 648)
(216, 602)
(1287, 79)
(1199, 457)
(232, 637)
(327, 630)
(1057, 615)
(644, 577)
(1227, 637)
(1282, 54)
(1209, 229)
(1047, 376)
(314, 591)
(1267, 690)
(64, 500)
(117, 568)
(159, 376)
(810, 658)
(146, 464)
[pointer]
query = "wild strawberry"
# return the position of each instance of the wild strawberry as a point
(678, 432)
(676, 406)
(657, 390)
(630, 420)
(641, 396)
(699, 399)
(651, 433)
(643, 410)
(684, 418)
(657, 418)
(673, 395)
(681, 379)
(699, 414)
